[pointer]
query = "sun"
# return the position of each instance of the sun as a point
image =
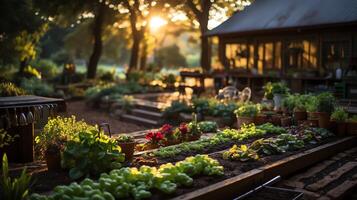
(157, 22)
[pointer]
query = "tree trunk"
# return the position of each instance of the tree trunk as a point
(134, 55)
(205, 53)
(98, 43)
(144, 54)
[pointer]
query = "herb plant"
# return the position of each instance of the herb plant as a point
(247, 110)
(208, 126)
(339, 115)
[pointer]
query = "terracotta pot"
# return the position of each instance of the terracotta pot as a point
(244, 120)
(351, 128)
(300, 115)
(128, 149)
(341, 128)
(324, 120)
(53, 161)
(312, 122)
(261, 119)
(286, 121)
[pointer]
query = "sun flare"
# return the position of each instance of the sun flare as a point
(157, 22)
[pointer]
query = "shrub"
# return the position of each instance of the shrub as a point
(268, 93)
(37, 87)
(10, 89)
(47, 68)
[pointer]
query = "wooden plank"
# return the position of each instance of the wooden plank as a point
(232, 187)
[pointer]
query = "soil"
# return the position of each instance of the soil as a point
(98, 116)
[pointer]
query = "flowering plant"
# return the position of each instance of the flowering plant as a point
(154, 137)
(183, 128)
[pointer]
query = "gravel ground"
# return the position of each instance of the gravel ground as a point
(97, 116)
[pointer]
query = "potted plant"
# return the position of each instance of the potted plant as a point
(127, 145)
(325, 106)
(170, 135)
(300, 113)
(246, 114)
(352, 125)
(279, 90)
(311, 110)
(155, 139)
(194, 132)
(340, 117)
(288, 104)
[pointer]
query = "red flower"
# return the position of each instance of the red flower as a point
(183, 128)
(159, 136)
(166, 129)
(154, 137)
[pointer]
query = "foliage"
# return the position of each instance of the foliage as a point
(193, 128)
(59, 130)
(137, 183)
(279, 88)
(123, 138)
(208, 126)
(175, 109)
(10, 89)
(31, 72)
(37, 87)
(242, 153)
(311, 103)
(326, 102)
(126, 102)
(272, 129)
(47, 68)
(170, 56)
(201, 105)
(289, 142)
(90, 153)
(353, 118)
(108, 76)
(14, 189)
(266, 147)
(268, 93)
(339, 115)
(289, 103)
(248, 110)
(6, 139)
(227, 135)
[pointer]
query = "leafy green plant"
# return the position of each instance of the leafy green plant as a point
(138, 183)
(272, 129)
(279, 88)
(268, 93)
(91, 153)
(193, 128)
(247, 110)
(289, 142)
(14, 189)
(242, 153)
(6, 139)
(201, 105)
(289, 103)
(208, 126)
(311, 103)
(266, 147)
(326, 102)
(10, 89)
(339, 115)
(47, 68)
(124, 138)
(59, 130)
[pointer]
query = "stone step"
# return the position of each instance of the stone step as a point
(139, 120)
(147, 114)
(149, 105)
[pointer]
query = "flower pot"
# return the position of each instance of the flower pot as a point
(128, 149)
(286, 121)
(324, 120)
(341, 128)
(278, 99)
(244, 120)
(300, 115)
(312, 122)
(53, 161)
(351, 128)
(261, 119)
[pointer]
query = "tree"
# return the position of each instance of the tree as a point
(170, 56)
(20, 31)
(200, 11)
(71, 12)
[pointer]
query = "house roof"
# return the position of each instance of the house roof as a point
(265, 15)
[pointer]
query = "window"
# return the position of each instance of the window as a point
(336, 54)
(237, 55)
(302, 54)
(269, 56)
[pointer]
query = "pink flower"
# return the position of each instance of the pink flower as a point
(183, 128)
(166, 129)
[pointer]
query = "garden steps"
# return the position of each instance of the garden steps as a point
(139, 120)
(146, 114)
